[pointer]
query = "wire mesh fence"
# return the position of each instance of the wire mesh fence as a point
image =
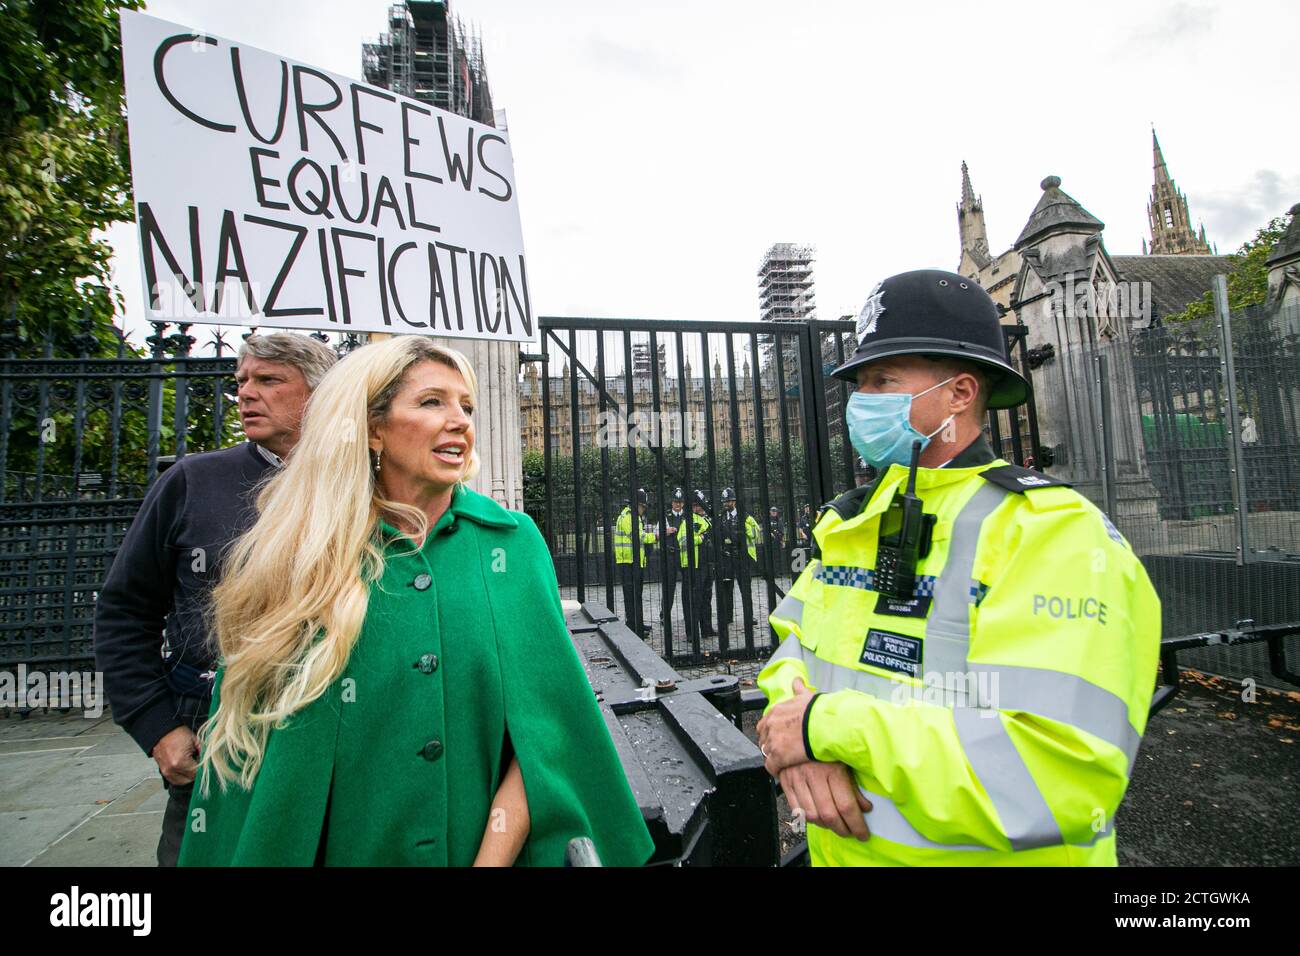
(1188, 437)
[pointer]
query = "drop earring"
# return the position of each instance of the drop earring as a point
(378, 462)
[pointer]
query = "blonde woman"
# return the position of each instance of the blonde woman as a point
(397, 685)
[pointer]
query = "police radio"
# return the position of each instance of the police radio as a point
(897, 554)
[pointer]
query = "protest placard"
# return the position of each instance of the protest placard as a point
(271, 193)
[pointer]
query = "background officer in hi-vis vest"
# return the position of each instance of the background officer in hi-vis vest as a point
(967, 663)
(631, 539)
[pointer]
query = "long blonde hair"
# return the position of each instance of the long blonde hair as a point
(294, 592)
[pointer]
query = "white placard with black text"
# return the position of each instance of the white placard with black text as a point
(271, 193)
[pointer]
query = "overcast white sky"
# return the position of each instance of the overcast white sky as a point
(660, 148)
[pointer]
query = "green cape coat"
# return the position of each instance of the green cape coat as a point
(463, 658)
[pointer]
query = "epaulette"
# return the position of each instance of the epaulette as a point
(1020, 480)
(846, 505)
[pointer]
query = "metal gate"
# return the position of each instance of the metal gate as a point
(612, 406)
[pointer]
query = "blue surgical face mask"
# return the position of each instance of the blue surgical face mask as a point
(880, 426)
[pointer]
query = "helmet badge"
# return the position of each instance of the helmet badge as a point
(870, 313)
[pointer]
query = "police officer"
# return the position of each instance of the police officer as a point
(695, 539)
(739, 553)
(966, 668)
(632, 574)
(673, 522)
(776, 531)
(803, 527)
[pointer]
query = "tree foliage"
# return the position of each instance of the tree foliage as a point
(1247, 277)
(67, 171)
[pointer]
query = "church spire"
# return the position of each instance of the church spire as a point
(967, 193)
(970, 223)
(1158, 160)
(1171, 223)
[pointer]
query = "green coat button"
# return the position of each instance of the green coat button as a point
(428, 663)
(432, 750)
(422, 582)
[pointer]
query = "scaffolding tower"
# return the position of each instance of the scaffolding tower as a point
(785, 284)
(427, 54)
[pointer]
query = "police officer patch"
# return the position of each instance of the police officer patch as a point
(870, 313)
(892, 652)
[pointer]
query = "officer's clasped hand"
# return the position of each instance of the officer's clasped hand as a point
(824, 794)
(827, 795)
(780, 732)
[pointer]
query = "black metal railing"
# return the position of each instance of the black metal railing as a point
(80, 440)
(749, 406)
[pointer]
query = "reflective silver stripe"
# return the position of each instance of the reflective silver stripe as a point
(947, 629)
(1055, 695)
(791, 647)
(790, 609)
(886, 821)
(1066, 698)
(829, 678)
(1026, 818)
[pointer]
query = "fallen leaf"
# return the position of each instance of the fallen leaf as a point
(1287, 740)
(1196, 765)
(1275, 723)
(1227, 715)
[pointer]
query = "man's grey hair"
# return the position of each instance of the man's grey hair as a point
(310, 356)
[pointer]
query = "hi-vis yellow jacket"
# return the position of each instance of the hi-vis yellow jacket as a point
(623, 537)
(993, 718)
(699, 527)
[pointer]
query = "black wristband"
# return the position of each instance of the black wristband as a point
(807, 744)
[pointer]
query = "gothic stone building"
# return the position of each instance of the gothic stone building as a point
(1077, 299)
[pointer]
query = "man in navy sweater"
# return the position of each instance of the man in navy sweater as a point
(160, 685)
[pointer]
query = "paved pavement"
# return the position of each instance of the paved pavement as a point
(75, 792)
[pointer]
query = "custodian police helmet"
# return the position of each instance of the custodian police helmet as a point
(677, 494)
(728, 494)
(930, 312)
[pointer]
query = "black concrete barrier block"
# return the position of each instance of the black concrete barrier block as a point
(701, 784)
